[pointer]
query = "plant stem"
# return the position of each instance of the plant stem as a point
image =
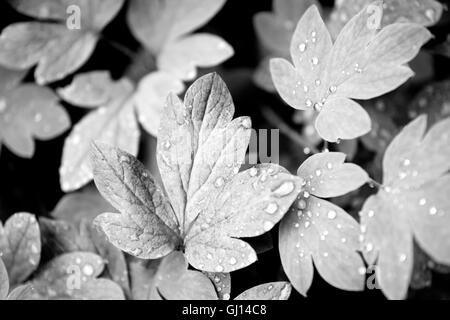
(120, 47)
(285, 129)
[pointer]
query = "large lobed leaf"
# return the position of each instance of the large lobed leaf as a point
(200, 151)
(28, 111)
(56, 49)
(318, 231)
(413, 204)
(362, 64)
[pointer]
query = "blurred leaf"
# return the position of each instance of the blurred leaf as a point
(413, 204)
(114, 123)
(362, 64)
(150, 96)
(203, 50)
(86, 204)
(20, 246)
(74, 276)
(88, 90)
(28, 111)
(423, 12)
(175, 282)
(274, 31)
(4, 281)
(317, 230)
(56, 48)
(434, 101)
(268, 291)
(163, 27)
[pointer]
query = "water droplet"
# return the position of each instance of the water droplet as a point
(430, 14)
(209, 256)
(325, 254)
(362, 271)
(343, 240)
(315, 61)
(369, 247)
(38, 117)
(308, 103)
(402, 257)
(284, 189)
(329, 166)
(219, 268)
(318, 82)
(307, 224)
(302, 47)
(371, 213)
(332, 214)
(226, 296)
(306, 194)
(247, 123)
(253, 172)
(219, 182)
(271, 208)
(301, 204)
(318, 107)
(2, 105)
(88, 270)
(305, 88)
(167, 144)
(34, 248)
(318, 172)
(268, 225)
(233, 261)
(333, 89)
(423, 201)
(433, 211)
(406, 162)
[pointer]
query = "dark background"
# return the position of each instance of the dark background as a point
(32, 185)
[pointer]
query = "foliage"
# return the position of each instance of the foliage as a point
(179, 210)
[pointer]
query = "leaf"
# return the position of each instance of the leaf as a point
(28, 111)
(73, 276)
(317, 230)
(20, 246)
(175, 282)
(413, 204)
(425, 12)
(4, 281)
(203, 50)
(114, 123)
(200, 151)
(88, 90)
(56, 49)
(23, 292)
(164, 26)
(274, 31)
(143, 279)
(222, 284)
(268, 291)
(151, 95)
(60, 237)
(362, 64)
(169, 276)
(78, 206)
(146, 227)
(156, 23)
